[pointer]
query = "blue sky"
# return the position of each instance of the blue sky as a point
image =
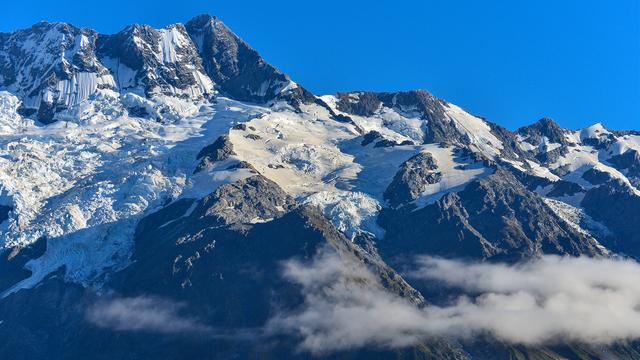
(513, 63)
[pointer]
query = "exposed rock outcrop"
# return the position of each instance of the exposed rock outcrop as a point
(412, 178)
(495, 217)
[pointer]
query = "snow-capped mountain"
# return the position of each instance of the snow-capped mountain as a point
(178, 163)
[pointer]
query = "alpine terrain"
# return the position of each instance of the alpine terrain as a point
(168, 194)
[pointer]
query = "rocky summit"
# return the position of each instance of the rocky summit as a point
(162, 192)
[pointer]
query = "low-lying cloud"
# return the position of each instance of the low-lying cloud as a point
(143, 313)
(547, 300)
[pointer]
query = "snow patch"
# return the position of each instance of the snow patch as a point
(350, 212)
(579, 220)
(457, 171)
(594, 131)
(476, 129)
(83, 185)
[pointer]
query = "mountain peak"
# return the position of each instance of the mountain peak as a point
(202, 20)
(547, 121)
(366, 103)
(47, 25)
(233, 65)
(67, 64)
(545, 127)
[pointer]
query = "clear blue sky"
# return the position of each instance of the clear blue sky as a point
(513, 63)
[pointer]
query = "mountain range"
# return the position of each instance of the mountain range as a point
(155, 182)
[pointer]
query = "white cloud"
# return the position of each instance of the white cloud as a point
(142, 313)
(546, 300)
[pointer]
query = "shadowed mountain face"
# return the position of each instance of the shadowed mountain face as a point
(156, 186)
(495, 218)
(233, 64)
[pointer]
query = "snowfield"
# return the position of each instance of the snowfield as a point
(84, 184)
(85, 181)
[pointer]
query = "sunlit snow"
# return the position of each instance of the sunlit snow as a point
(83, 185)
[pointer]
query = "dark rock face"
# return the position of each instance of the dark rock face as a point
(551, 156)
(629, 162)
(34, 319)
(531, 182)
(549, 130)
(614, 205)
(5, 210)
(493, 218)
(509, 140)
(308, 229)
(596, 177)
(441, 128)
(12, 263)
(237, 68)
(412, 179)
(220, 150)
(342, 118)
(175, 70)
(544, 127)
(381, 141)
(370, 137)
(391, 143)
(253, 199)
(564, 188)
(601, 142)
(253, 136)
(359, 103)
(231, 277)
